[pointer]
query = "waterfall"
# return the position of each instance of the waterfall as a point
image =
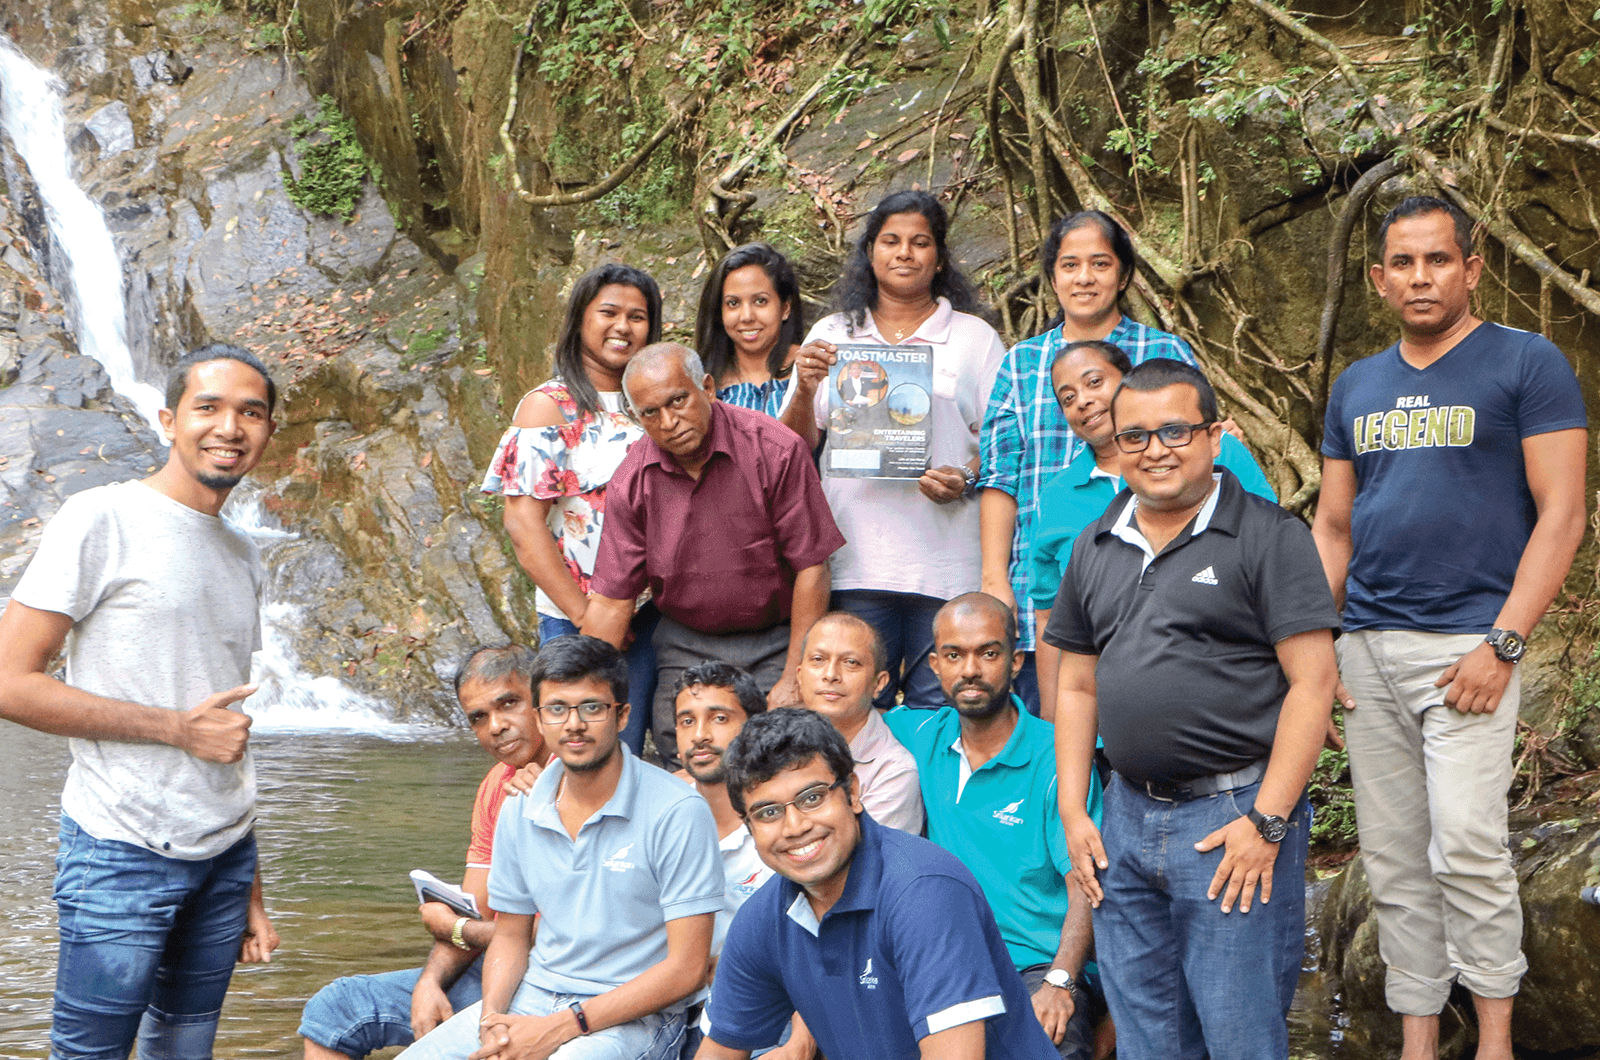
(31, 114)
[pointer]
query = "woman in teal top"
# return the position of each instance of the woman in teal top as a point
(1084, 376)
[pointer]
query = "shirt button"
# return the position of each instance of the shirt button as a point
(166, 846)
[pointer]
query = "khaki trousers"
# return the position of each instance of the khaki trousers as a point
(1430, 790)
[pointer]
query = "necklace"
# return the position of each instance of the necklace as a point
(901, 333)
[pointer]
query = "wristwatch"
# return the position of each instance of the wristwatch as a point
(972, 479)
(1059, 978)
(1272, 829)
(1508, 644)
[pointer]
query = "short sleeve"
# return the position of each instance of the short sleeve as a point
(1550, 399)
(508, 888)
(1236, 457)
(806, 532)
(620, 570)
(1068, 628)
(532, 462)
(749, 1005)
(685, 859)
(948, 976)
(1335, 431)
(1290, 586)
(485, 811)
(68, 572)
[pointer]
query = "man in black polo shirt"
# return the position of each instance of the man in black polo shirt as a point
(1197, 631)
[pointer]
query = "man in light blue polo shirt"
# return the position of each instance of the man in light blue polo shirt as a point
(619, 861)
(988, 774)
(880, 940)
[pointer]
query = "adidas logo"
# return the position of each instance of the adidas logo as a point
(1205, 577)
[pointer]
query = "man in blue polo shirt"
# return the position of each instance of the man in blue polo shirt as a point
(988, 773)
(881, 940)
(619, 861)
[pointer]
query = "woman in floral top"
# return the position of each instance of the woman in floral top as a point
(564, 443)
(749, 327)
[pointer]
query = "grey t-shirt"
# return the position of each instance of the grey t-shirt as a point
(166, 606)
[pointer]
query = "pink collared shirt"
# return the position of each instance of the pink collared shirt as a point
(890, 790)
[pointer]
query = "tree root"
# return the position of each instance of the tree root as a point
(1355, 205)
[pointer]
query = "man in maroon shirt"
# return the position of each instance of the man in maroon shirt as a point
(720, 513)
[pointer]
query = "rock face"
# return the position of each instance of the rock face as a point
(1555, 1010)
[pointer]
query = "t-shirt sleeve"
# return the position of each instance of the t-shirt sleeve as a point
(1291, 588)
(69, 571)
(1236, 457)
(619, 565)
(1000, 441)
(685, 858)
(508, 887)
(1335, 431)
(485, 811)
(1068, 628)
(802, 521)
(947, 976)
(749, 1006)
(1551, 399)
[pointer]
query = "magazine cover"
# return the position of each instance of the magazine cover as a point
(878, 403)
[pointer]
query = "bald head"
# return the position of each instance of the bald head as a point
(982, 607)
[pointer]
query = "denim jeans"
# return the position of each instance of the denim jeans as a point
(904, 622)
(148, 945)
(1183, 979)
(361, 1014)
(656, 1036)
(641, 668)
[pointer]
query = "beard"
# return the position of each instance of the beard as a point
(592, 764)
(219, 482)
(715, 775)
(999, 696)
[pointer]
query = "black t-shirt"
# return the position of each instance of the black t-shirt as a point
(1188, 682)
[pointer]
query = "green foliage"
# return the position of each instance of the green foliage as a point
(591, 37)
(1333, 806)
(660, 190)
(332, 161)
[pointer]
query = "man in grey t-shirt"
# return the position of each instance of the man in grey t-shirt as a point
(154, 603)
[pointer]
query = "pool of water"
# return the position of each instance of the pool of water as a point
(343, 818)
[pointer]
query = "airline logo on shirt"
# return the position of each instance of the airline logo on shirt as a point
(1415, 423)
(616, 862)
(867, 979)
(749, 885)
(1205, 577)
(1008, 814)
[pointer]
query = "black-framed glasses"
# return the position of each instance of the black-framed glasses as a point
(1173, 436)
(808, 801)
(589, 710)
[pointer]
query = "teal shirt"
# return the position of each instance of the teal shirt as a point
(1004, 825)
(1076, 497)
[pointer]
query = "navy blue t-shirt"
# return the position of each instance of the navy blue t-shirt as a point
(1442, 509)
(910, 949)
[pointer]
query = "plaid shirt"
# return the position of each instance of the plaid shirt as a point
(1026, 439)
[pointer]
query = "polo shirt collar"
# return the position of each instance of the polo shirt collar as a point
(1126, 530)
(541, 808)
(1083, 471)
(935, 330)
(1011, 755)
(860, 886)
(717, 434)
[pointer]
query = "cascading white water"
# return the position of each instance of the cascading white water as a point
(31, 113)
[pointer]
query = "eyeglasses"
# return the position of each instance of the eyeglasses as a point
(808, 801)
(1173, 436)
(556, 713)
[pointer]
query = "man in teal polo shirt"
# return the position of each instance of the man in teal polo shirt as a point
(988, 776)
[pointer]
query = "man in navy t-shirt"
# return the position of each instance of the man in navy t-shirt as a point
(882, 941)
(1452, 504)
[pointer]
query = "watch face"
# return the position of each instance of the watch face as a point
(1273, 829)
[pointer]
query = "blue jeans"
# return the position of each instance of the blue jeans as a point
(1183, 979)
(361, 1014)
(904, 622)
(656, 1036)
(148, 946)
(641, 669)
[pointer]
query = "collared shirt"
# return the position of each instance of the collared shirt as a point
(909, 949)
(1000, 820)
(1188, 681)
(1078, 496)
(890, 791)
(649, 855)
(719, 553)
(744, 871)
(899, 540)
(1026, 438)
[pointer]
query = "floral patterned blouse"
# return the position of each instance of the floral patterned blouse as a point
(570, 465)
